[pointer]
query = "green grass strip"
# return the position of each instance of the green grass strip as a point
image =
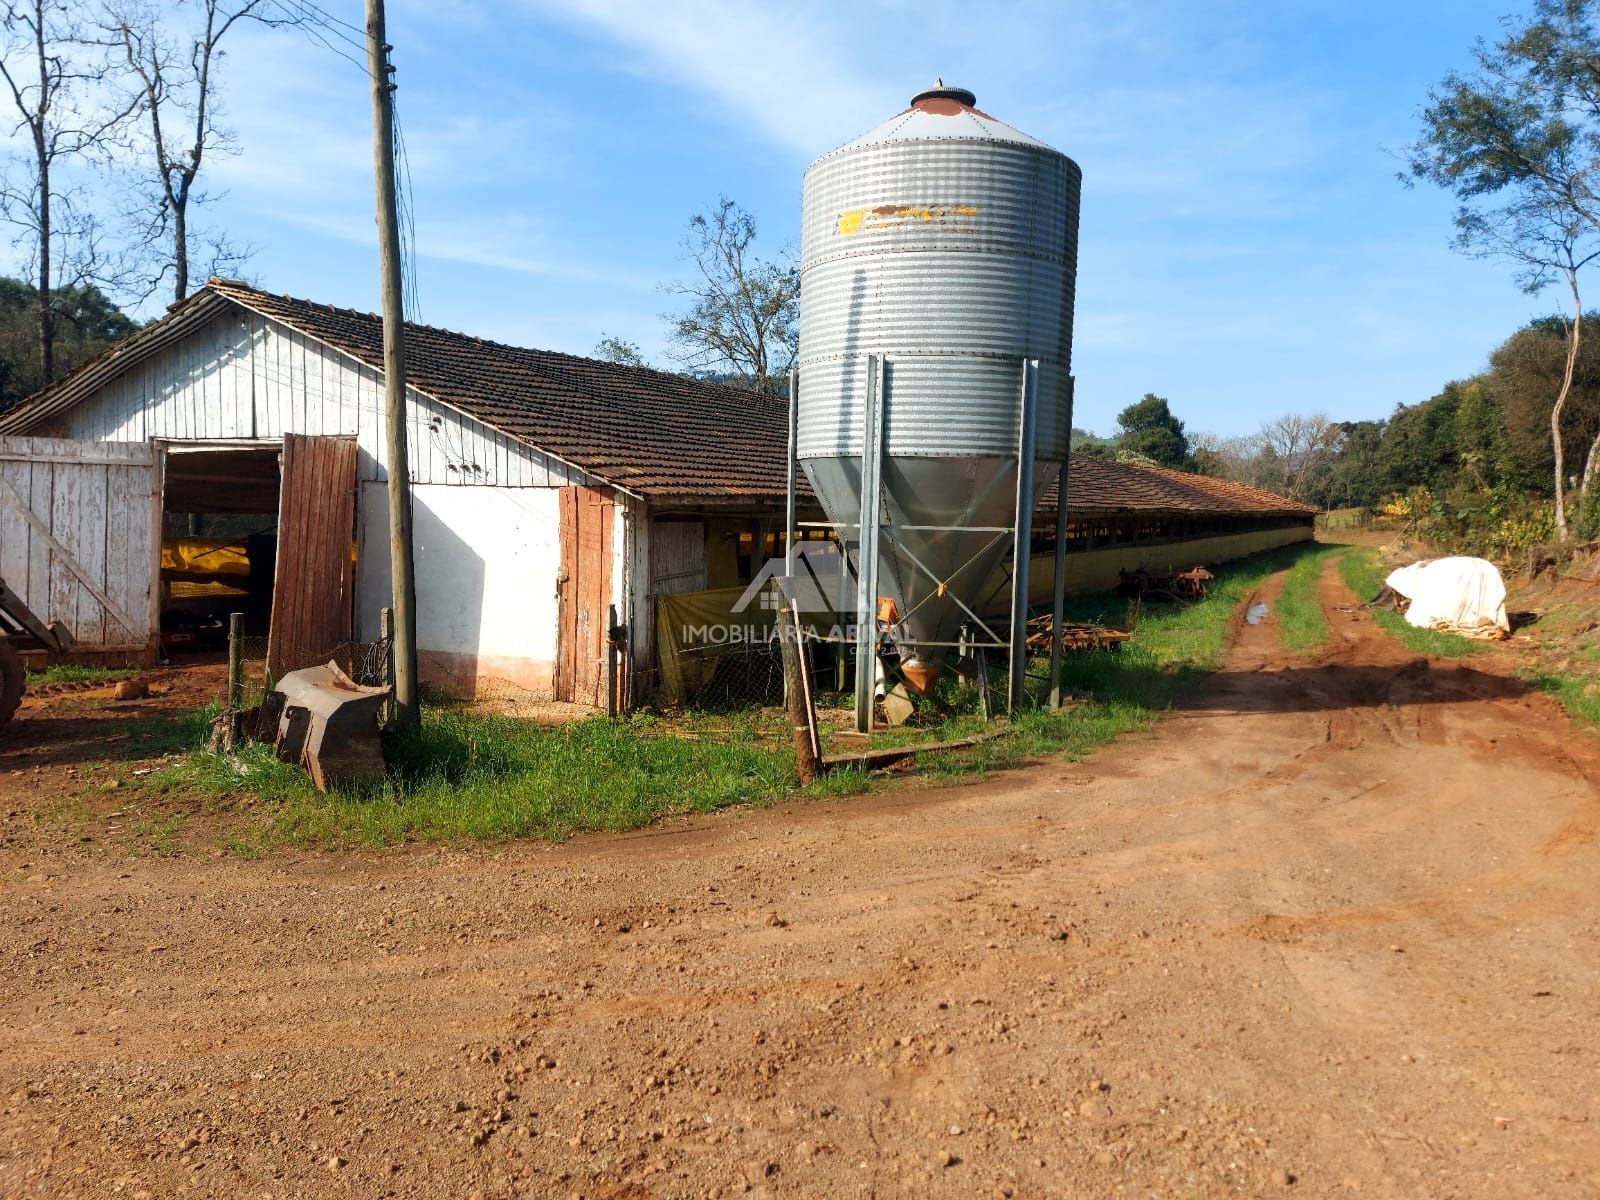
(471, 776)
(1302, 625)
(74, 673)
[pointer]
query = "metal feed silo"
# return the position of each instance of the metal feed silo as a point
(938, 264)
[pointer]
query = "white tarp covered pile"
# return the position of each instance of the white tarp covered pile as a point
(1461, 595)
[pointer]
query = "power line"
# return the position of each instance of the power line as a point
(328, 18)
(305, 10)
(319, 25)
(315, 28)
(408, 220)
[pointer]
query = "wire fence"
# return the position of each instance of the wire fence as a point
(366, 663)
(729, 674)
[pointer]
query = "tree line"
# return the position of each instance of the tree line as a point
(1477, 458)
(114, 116)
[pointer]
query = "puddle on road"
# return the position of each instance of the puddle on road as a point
(1257, 612)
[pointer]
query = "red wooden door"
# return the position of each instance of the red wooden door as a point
(586, 523)
(313, 588)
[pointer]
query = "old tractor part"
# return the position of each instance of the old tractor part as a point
(20, 628)
(328, 725)
(11, 680)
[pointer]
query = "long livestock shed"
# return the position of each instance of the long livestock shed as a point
(242, 435)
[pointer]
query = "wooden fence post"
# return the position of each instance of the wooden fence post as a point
(235, 660)
(386, 636)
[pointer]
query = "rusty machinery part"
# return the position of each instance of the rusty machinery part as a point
(11, 681)
(328, 726)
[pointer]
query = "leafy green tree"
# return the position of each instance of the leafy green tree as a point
(1354, 478)
(87, 323)
(1524, 372)
(1419, 445)
(1091, 445)
(1517, 141)
(1150, 431)
(613, 349)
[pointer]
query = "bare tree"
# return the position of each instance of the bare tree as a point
(52, 80)
(743, 317)
(1300, 443)
(173, 77)
(1235, 458)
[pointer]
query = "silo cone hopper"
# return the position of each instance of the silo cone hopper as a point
(938, 267)
(945, 536)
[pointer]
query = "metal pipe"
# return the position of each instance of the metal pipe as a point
(789, 529)
(867, 547)
(1028, 436)
(836, 525)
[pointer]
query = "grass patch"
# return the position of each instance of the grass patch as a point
(1579, 696)
(168, 733)
(77, 673)
(1118, 691)
(1302, 625)
(466, 775)
(1364, 575)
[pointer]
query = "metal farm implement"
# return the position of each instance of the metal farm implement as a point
(21, 629)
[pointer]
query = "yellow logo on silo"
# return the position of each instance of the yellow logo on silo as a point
(895, 216)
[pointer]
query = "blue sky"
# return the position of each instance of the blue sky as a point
(1246, 249)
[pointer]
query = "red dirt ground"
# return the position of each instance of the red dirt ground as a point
(1332, 930)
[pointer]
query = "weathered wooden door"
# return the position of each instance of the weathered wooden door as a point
(80, 536)
(313, 587)
(585, 590)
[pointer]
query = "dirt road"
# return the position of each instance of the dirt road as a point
(1332, 930)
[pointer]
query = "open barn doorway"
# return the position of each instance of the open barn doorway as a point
(263, 530)
(219, 545)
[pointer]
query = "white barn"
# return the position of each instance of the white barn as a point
(548, 489)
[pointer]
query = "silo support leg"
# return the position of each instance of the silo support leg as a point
(867, 550)
(1058, 587)
(1026, 443)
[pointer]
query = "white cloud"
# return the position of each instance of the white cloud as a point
(786, 71)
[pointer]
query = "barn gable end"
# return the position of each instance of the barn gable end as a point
(245, 376)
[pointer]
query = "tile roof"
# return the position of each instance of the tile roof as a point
(652, 433)
(1096, 485)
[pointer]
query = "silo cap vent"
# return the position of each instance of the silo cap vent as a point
(939, 92)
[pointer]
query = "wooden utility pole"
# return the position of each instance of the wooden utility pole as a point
(402, 571)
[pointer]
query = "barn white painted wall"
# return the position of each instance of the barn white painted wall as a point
(486, 561)
(245, 376)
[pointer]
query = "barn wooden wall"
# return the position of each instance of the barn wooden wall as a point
(80, 537)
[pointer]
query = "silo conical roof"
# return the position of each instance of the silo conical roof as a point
(941, 114)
